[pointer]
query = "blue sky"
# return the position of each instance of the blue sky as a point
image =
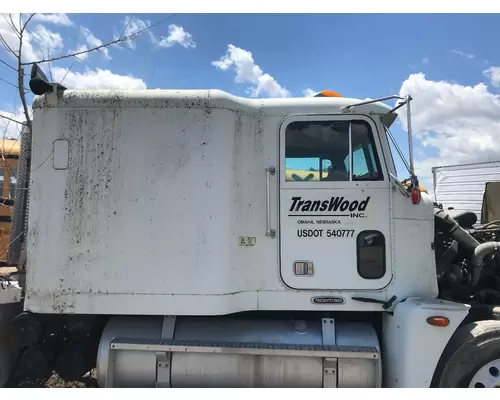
(449, 63)
(371, 58)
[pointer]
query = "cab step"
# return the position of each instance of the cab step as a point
(263, 349)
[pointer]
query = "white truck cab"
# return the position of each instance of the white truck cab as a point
(223, 241)
(205, 199)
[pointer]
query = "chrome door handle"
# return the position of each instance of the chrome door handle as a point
(269, 232)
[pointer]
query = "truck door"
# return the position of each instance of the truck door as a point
(335, 220)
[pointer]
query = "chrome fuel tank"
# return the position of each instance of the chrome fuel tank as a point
(226, 352)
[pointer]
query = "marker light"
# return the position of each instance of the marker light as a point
(441, 322)
(328, 93)
(415, 196)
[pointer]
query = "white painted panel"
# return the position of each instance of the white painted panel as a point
(412, 347)
(462, 186)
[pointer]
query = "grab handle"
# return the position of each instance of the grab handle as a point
(269, 232)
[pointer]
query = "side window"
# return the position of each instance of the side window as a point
(321, 151)
(313, 149)
(371, 254)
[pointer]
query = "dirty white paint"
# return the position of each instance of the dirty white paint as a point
(10, 291)
(160, 188)
(411, 347)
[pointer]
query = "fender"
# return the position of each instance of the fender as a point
(411, 347)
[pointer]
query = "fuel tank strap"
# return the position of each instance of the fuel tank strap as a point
(187, 346)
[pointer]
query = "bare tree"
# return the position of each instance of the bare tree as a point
(19, 66)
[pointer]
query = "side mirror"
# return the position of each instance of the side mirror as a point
(39, 84)
(37, 72)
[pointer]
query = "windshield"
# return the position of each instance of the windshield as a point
(398, 149)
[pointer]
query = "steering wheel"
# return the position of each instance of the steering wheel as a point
(298, 178)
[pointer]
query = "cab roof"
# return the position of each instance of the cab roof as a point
(211, 98)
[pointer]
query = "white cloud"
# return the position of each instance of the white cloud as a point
(47, 42)
(78, 49)
(459, 123)
(8, 34)
(309, 92)
(37, 42)
(247, 71)
(93, 42)
(132, 25)
(461, 53)
(493, 74)
(10, 129)
(57, 19)
(177, 35)
(96, 79)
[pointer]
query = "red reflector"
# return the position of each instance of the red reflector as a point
(415, 196)
(438, 321)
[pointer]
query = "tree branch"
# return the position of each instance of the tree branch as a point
(11, 24)
(10, 119)
(5, 129)
(151, 78)
(8, 65)
(126, 26)
(50, 67)
(27, 22)
(66, 74)
(20, 78)
(116, 41)
(125, 47)
(8, 83)
(14, 25)
(7, 47)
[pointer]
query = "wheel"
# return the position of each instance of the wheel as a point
(472, 357)
(488, 376)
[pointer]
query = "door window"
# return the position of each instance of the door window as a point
(320, 150)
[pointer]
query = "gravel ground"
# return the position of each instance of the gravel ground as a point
(54, 381)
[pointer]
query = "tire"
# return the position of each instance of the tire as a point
(472, 347)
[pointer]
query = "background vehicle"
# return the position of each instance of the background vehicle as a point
(462, 186)
(9, 155)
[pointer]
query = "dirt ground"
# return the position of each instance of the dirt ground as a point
(54, 381)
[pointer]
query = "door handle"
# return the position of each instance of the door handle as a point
(269, 232)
